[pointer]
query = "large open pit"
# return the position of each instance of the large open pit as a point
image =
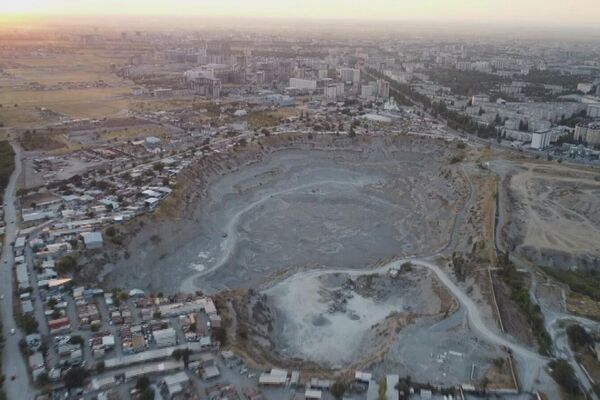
(302, 237)
(332, 203)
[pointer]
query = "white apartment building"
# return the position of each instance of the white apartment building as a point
(540, 140)
(350, 75)
(307, 84)
(593, 110)
(480, 99)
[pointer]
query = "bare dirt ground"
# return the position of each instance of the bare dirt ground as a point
(555, 216)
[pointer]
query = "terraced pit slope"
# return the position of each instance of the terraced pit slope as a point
(290, 203)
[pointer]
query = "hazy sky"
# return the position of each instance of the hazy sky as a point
(582, 13)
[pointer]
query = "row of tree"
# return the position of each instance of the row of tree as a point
(405, 95)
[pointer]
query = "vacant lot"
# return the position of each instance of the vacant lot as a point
(265, 119)
(556, 215)
(77, 103)
(76, 67)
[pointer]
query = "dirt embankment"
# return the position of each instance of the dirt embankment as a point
(553, 215)
(195, 179)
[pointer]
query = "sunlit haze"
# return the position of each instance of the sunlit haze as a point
(575, 13)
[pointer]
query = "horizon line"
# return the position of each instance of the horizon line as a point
(438, 22)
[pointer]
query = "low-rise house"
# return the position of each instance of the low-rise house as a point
(165, 337)
(172, 385)
(22, 276)
(59, 325)
(210, 372)
(313, 394)
(275, 377)
(19, 243)
(92, 240)
(27, 307)
(37, 365)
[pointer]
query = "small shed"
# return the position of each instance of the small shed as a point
(92, 240)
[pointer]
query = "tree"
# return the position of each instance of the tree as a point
(578, 336)
(382, 389)
(338, 389)
(66, 264)
(220, 335)
(485, 383)
(75, 377)
(406, 266)
(142, 383)
(498, 120)
(43, 379)
(76, 339)
(147, 394)
(563, 374)
(158, 166)
(403, 387)
(100, 366)
(30, 325)
(182, 354)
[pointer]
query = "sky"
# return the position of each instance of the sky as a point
(576, 13)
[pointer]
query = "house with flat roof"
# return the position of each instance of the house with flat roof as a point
(92, 240)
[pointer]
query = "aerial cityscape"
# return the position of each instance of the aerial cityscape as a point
(286, 200)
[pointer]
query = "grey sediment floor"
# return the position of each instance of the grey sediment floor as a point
(302, 208)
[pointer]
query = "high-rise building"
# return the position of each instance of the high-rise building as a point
(383, 89)
(589, 133)
(540, 140)
(350, 75)
(330, 92)
(298, 83)
(369, 90)
(593, 110)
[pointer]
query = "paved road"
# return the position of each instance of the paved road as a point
(12, 360)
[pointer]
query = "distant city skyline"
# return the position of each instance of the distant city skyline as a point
(575, 13)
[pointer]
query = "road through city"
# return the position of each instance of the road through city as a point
(13, 364)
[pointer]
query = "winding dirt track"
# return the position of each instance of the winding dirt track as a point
(228, 245)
